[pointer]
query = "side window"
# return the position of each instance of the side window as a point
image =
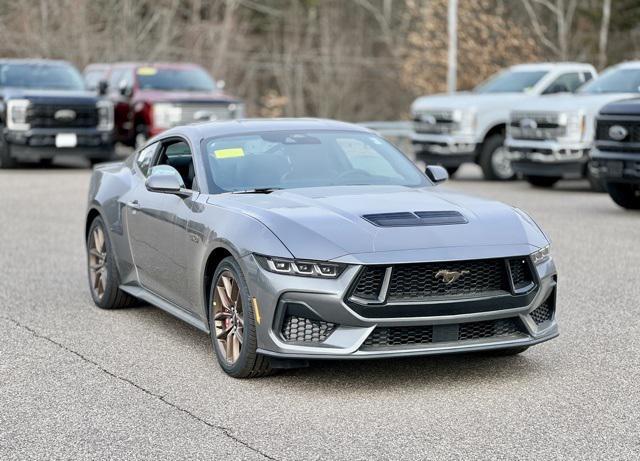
(587, 76)
(364, 157)
(145, 157)
(114, 79)
(92, 78)
(565, 83)
(177, 154)
(127, 77)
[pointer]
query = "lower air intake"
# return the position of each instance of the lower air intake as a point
(400, 336)
(300, 329)
(489, 329)
(542, 313)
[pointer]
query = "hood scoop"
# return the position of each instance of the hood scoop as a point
(416, 218)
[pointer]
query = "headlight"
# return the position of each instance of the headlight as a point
(465, 120)
(575, 124)
(105, 115)
(166, 115)
(541, 256)
(17, 114)
(320, 269)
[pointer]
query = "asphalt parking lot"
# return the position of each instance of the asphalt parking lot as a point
(80, 383)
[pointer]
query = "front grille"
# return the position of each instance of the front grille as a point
(426, 281)
(489, 329)
(632, 128)
(543, 313)
(415, 281)
(536, 126)
(300, 329)
(434, 122)
(398, 337)
(44, 116)
(192, 112)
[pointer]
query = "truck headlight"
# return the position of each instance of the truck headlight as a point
(166, 115)
(542, 255)
(319, 269)
(574, 123)
(465, 120)
(17, 114)
(105, 115)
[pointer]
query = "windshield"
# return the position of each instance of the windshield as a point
(192, 79)
(614, 81)
(511, 82)
(40, 76)
(290, 159)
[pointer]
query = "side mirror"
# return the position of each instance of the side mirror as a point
(102, 88)
(165, 179)
(220, 84)
(437, 174)
(124, 88)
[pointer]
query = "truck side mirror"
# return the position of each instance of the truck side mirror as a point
(103, 86)
(220, 84)
(437, 174)
(124, 88)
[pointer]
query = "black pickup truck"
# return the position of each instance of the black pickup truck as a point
(46, 111)
(615, 157)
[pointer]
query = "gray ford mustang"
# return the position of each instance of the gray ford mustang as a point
(290, 240)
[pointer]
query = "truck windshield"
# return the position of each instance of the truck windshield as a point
(314, 158)
(614, 81)
(40, 76)
(511, 82)
(167, 79)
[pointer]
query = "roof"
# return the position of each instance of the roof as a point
(628, 65)
(245, 126)
(34, 61)
(171, 65)
(552, 65)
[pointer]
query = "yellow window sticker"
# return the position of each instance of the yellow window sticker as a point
(229, 153)
(147, 71)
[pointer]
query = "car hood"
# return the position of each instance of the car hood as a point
(185, 96)
(65, 96)
(466, 100)
(589, 103)
(326, 223)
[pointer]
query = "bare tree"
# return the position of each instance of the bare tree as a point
(604, 33)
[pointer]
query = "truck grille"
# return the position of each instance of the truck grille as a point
(397, 337)
(44, 115)
(434, 122)
(535, 125)
(605, 142)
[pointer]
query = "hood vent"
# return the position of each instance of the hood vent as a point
(417, 218)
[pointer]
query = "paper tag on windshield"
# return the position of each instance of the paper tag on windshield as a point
(147, 71)
(229, 153)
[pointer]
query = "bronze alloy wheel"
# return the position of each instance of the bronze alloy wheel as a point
(98, 262)
(228, 316)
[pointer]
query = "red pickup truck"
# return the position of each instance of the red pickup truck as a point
(149, 98)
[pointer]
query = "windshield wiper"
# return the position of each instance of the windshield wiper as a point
(258, 190)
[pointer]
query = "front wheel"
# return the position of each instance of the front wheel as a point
(232, 324)
(625, 195)
(494, 159)
(542, 181)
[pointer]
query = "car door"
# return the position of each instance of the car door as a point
(157, 226)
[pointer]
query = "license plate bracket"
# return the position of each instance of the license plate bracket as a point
(66, 140)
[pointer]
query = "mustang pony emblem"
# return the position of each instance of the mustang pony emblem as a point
(449, 277)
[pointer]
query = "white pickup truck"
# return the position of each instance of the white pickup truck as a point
(452, 129)
(550, 138)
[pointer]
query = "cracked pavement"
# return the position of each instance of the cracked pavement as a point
(80, 383)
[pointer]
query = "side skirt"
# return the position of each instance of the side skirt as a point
(166, 306)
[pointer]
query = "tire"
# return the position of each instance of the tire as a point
(625, 195)
(46, 162)
(6, 161)
(106, 294)
(452, 170)
(506, 352)
(493, 162)
(542, 181)
(246, 363)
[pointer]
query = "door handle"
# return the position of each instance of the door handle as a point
(134, 204)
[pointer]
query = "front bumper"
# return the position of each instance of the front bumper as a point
(618, 167)
(324, 301)
(40, 143)
(548, 158)
(447, 150)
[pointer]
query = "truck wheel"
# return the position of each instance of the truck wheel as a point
(542, 181)
(494, 160)
(452, 170)
(625, 195)
(6, 161)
